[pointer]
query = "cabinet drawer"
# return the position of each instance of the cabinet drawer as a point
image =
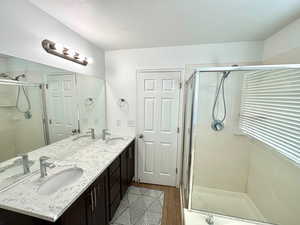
(114, 177)
(114, 165)
(114, 191)
(114, 205)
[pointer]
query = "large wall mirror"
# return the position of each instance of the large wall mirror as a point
(40, 105)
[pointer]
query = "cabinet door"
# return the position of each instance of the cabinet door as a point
(96, 202)
(131, 163)
(124, 172)
(90, 207)
(100, 201)
(76, 214)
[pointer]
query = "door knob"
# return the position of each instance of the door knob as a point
(141, 136)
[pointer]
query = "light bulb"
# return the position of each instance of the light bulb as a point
(71, 52)
(81, 57)
(89, 60)
(59, 48)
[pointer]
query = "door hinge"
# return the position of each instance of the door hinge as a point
(47, 86)
(178, 130)
(50, 121)
(176, 170)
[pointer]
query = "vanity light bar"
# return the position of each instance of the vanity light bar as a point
(63, 52)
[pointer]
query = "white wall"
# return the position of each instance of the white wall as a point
(284, 46)
(121, 67)
(24, 26)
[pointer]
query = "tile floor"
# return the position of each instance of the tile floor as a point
(140, 206)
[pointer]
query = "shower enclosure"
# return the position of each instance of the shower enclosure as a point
(249, 169)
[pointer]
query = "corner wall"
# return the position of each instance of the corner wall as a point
(24, 26)
(283, 47)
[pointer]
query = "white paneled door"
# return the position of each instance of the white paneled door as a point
(158, 113)
(61, 109)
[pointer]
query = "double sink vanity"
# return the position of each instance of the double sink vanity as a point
(79, 180)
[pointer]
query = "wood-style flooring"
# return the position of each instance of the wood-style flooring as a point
(171, 209)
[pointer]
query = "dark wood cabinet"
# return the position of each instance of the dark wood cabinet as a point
(131, 162)
(124, 172)
(75, 215)
(114, 183)
(127, 168)
(96, 198)
(97, 205)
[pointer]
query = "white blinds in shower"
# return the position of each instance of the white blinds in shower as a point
(270, 109)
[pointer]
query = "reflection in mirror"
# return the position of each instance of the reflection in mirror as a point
(91, 99)
(61, 105)
(41, 105)
(21, 116)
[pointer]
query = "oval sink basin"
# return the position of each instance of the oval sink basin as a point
(114, 141)
(59, 180)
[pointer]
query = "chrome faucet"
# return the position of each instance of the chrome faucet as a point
(105, 133)
(92, 132)
(25, 163)
(44, 164)
(210, 220)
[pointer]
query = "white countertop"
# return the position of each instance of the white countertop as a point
(92, 156)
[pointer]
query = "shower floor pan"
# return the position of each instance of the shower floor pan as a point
(227, 203)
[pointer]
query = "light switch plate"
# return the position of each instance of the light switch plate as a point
(118, 123)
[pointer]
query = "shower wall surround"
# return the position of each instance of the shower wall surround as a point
(223, 163)
(277, 179)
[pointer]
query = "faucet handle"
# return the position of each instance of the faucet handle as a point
(74, 131)
(91, 130)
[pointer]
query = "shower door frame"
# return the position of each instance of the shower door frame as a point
(189, 160)
(195, 78)
(42, 88)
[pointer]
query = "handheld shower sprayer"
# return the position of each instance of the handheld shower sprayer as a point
(218, 124)
(27, 111)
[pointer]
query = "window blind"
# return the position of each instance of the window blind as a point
(270, 109)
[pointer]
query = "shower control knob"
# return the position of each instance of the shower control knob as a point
(141, 136)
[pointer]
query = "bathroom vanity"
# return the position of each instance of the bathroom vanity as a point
(107, 171)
